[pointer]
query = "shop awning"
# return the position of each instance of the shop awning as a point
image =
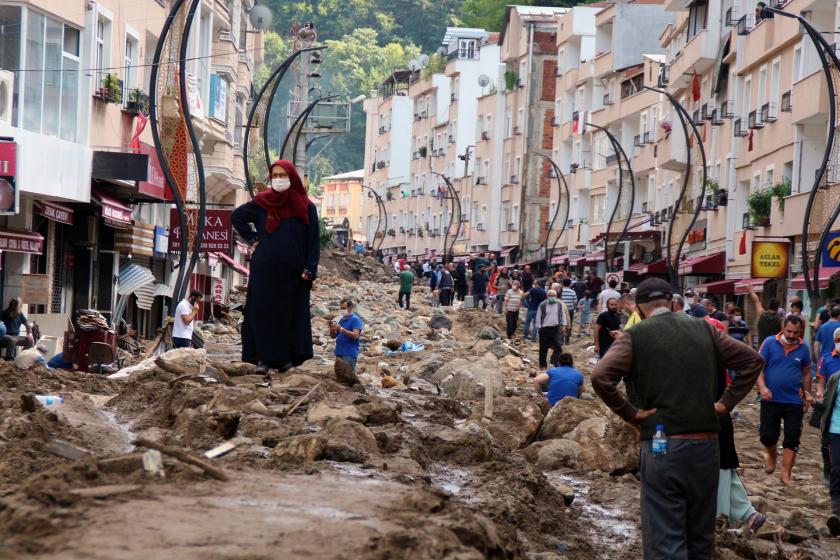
(578, 261)
(56, 212)
(232, 263)
(21, 241)
(636, 267)
(826, 275)
(507, 251)
(743, 286)
(132, 277)
(145, 296)
(719, 287)
(706, 265)
(618, 261)
(655, 267)
(560, 259)
(594, 258)
(114, 213)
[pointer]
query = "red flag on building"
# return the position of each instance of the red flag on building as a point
(742, 248)
(575, 126)
(695, 87)
(750, 138)
(142, 119)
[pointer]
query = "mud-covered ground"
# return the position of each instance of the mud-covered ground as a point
(396, 462)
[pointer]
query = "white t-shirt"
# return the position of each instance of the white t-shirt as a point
(605, 296)
(179, 329)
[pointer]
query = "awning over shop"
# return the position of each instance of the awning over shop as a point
(560, 259)
(618, 261)
(56, 212)
(114, 213)
(594, 258)
(232, 263)
(577, 261)
(145, 296)
(655, 267)
(132, 277)
(702, 266)
(507, 251)
(636, 267)
(826, 275)
(21, 241)
(743, 286)
(719, 287)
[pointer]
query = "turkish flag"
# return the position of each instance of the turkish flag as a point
(742, 248)
(575, 126)
(695, 87)
(750, 138)
(142, 119)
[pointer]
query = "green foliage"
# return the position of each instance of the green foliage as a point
(780, 191)
(437, 64)
(511, 80)
(490, 14)
(112, 83)
(327, 235)
(318, 168)
(759, 203)
(713, 185)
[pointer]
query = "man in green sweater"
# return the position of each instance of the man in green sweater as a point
(406, 283)
(672, 361)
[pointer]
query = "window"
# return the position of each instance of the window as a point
(517, 168)
(514, 218)
(51, 86)
(797, 63)
(199, 51)
(237, 125)
(762, 86)
(520, 120)
(234, 9)
(218, 97)
(243, 30)
(508, 124)
(598, 205)
(745, 102)
(131, 63)
(697, 15)
(775, 74)
(103, 48)
(486, 170)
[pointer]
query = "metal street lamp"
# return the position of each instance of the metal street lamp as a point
(561, 184)
(380, 205)
(453, 195)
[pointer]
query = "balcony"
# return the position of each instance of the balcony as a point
(787, 106)
(485, 135)
(480, 181)
(745, 24)
(514, 180)
(672, 152)
(727, 109)
(813, 89)
(517, 131)
(603, 64)
(768, 113)
(608, 99)
(754, 121)
(739, 129)
(698, 55)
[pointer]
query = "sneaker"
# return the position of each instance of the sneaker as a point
(833, 525)
(755, 522)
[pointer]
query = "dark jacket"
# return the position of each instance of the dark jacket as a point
(829, 400)
(479, 283)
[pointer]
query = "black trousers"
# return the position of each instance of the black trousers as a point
(550, 338)
(770, 424)
(834, 452)
(446, 296)
(678, 499)
(407, 296)
(512, 321)
(568, 336)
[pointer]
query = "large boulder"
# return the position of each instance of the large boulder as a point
(306, 447)
(365, 314)
(427, 367)
(349, 441)
(515, 421)
(488, 333)
(140, 369)
(511, 363)
(567, 414)
(466, 379)
(554, 454)
(440, 321)
(607, 444)
(323, 411)
(183, 361)
(494, 346)
(319, 310)
(466, 445)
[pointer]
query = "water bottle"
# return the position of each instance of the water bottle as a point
(48, 400)
(659, 444)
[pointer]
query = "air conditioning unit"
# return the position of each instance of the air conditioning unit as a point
(7, 88)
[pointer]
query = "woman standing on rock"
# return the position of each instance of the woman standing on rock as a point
(282, 224)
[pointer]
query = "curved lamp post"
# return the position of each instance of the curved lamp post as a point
(825, 52)
(453, 195)
(380, 205)
(685, 121)
(273, 81)
(297, 126)
(561, 184)
(619, 154)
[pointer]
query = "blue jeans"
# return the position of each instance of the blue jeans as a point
(351, 361)
(531, 318)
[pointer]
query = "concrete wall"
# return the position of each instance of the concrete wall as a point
(629, 36)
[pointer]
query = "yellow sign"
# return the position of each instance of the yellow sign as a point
(770, 259)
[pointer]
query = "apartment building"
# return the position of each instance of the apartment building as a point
(342, 198)
(91, 204)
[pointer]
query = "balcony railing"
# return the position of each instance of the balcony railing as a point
(514, 180)
(479, 227)
(575, 115)
(480, 181)
(664, 76)
(611, 159)
(464, 54)
(637, 141)
(517, 131)
(648, 138)
(608, 99)
(511, 227)
(727, 109)
(716, 118)
(787, 106)
(697, 117)
(754, 120)
(739, 129)
(730, 19)
(768, 112)
(745, 24)
(555, 121)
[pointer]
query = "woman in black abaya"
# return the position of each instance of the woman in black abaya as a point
(283, 225)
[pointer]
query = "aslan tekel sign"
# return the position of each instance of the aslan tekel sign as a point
(770, 259)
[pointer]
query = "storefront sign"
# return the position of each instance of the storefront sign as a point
(20, 241)
(161, 241)
(155, 183)
(217, 231)
(770, 259)
(114, 213)
(57, 213)
(35, 288)
(696, 238)
(8, 173)
(831, 250)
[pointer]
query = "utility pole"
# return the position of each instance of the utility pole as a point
(304, 36)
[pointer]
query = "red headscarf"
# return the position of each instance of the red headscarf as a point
(291, 203)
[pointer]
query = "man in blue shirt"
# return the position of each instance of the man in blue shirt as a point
(785, 387)
(347, 330)
(563, 380)
(824, 339)
(479, 287)
(535, 296)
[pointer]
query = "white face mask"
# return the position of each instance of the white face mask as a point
(280, 184)
(343, 312)
(737, 318)
(837, 346)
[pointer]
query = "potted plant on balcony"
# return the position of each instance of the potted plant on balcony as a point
(759, 203)
(111, 89)
(422, 151)
(511, 80)
(780, 191)
(135, 101)
(391, 232)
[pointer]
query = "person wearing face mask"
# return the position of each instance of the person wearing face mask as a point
(785, 389)
(282, 224)
(737, 327)
(607, 327)
(185, 314)
(347, 330)
(552, 318)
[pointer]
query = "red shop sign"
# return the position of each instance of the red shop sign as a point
(155, 184)
(218, 231)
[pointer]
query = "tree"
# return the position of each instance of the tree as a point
(490, 14)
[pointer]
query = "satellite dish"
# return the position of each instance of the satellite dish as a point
(484, 80)
(442, 51)
(424, 59)
(414, 65)
(260, 17)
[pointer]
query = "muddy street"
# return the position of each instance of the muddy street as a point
(396, 461)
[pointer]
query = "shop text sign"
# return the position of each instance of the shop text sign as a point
(35, 288)
(831, 250)
(217, 231)
(8, 169)
(770, 259)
